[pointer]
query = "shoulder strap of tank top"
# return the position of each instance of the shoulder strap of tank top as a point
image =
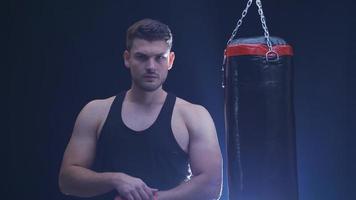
(167, 109)
(115, 110)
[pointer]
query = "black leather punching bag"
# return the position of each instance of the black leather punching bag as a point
(260, 128)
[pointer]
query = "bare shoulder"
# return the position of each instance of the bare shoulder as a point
(94, 113)
(99, 106)
(189, 109)
(194, 115)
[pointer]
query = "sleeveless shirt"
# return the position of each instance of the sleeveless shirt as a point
(152, 155)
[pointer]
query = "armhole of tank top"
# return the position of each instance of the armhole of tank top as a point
(178, 147)
(118, 98)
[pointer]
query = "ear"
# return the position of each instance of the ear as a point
(126, 58)
(171, 60)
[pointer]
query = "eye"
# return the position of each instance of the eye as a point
(141, 57)
(161, 58)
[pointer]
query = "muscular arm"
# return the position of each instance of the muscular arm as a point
(205, 161)
(75, 177)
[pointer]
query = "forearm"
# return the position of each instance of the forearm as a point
(200, 187)
(82, 182)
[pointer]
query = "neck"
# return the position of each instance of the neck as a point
(137, 95)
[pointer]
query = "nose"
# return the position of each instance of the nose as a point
(151, 64)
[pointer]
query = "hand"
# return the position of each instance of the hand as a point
(131, 188)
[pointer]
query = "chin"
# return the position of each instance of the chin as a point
(150, 88)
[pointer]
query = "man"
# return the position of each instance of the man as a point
(144, 143)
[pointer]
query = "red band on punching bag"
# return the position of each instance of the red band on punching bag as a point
(257, 49)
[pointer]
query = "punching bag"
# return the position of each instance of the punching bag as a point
(259, 117)
(260, 121)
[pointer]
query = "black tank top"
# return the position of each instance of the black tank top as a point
(152, 155)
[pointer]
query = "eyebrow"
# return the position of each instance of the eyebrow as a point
(143, 54)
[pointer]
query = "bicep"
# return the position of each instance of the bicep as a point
(80, 150)
(204, 151)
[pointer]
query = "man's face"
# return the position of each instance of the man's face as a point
(149, 62)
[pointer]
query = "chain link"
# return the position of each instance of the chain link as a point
(264, 25)
(238, 24)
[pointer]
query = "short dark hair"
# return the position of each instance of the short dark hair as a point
(150, 30)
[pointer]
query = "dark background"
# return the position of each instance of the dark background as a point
(62, 54)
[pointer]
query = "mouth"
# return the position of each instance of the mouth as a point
(150, 76)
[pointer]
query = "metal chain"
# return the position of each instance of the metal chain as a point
(263, 21)
(238, 24)
(264, 25)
